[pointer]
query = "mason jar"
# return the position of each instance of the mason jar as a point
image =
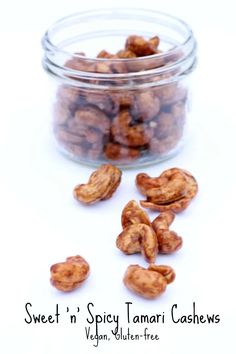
(109, 105)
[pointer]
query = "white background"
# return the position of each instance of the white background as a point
(41, 224)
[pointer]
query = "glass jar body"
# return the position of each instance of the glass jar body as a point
(133, 127)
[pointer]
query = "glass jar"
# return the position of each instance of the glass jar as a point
(124, 109)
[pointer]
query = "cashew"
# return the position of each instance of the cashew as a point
(69, 275)
(172, 190)
(140, 46)
(101, 185)
(149, 283)
(133, 214)
(130, 135)
(138, 238)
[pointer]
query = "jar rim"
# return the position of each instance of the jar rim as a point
(51, 49)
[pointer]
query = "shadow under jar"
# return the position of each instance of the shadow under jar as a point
(130, 111)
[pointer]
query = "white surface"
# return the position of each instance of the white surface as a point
(42, 224)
